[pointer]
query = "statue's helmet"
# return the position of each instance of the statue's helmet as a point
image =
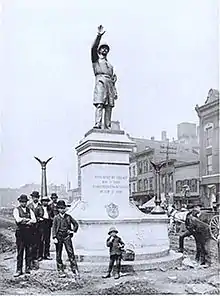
(104, 45)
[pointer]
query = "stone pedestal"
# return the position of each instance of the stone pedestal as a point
(104, 162)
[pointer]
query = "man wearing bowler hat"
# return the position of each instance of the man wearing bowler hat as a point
(24, 218)
(116, 245)
(53, 204)
(64, 226)
(44, 218)
(36, 234)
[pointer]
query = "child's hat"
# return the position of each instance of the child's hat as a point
(112, 229)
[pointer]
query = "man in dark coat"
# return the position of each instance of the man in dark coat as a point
(36, 234)
(44, 219)
(189, 230)
(115, 244)
(64, 226)
(24, 218)
(202, 234)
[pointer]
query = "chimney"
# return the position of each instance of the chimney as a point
(163, 136)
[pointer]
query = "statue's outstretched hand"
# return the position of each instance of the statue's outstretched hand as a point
(101, 30)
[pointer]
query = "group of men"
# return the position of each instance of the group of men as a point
(197, 225)
(34, 221)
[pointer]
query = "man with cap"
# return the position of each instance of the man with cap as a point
(24, 218)
(36, 234)
(44, 218)
(105, 92)
(64, 226)
(115, 245)
(53, 204)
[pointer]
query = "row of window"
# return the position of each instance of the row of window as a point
(192, 183)
(143, 166)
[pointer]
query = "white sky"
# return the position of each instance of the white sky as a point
(165, 54)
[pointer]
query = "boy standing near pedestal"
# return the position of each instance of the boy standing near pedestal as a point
(64, 226)
(115, 245)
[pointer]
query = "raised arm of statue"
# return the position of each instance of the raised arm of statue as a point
(95, 46)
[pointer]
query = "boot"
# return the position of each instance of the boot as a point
(35, 265)
(108, 275)
(61, 274)
(18, 273)
(60, 270)
(117, 276)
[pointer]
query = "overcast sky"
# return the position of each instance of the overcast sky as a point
(165, 53)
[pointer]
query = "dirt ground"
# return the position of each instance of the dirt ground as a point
(179, 280)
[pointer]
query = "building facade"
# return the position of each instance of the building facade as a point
(186, 175)
(209, 147)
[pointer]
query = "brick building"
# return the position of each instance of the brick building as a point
(186, 173)
(209, 147)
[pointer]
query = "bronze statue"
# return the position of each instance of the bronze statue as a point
(105, 92)
(43, 176)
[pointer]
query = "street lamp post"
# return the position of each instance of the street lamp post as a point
(43, 175)
(167, 150)
(157, 209)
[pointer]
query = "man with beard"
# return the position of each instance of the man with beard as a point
(53, 205)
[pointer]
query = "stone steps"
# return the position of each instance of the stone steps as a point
(168, 261)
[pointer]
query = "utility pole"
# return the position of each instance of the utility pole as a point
(167, 149)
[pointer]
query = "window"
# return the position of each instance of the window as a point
(209, 164)
(208, 132)
(140, 185)
(134, 172)
(129, 189)
(193, 185)
(145, 166)
(150, 167)
(130, 172)
(139, 167)
(179, 186)
(145, 184)
(133, 187)
(151, 183)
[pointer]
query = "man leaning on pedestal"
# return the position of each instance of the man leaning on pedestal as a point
(105, 92)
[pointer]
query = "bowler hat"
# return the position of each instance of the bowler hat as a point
(45, 198)
(23, 197)
(54, 195)
(61, 204)
(103, 45)
(112, 229)
(35, 194)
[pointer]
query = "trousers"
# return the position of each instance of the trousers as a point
(35, 244)
(187, 233)
(23, 243)
(204, 249)
(44, 235)
(99, 115)
(64, 239)
(113, 259)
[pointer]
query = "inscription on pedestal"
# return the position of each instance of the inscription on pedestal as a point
(110, 184)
